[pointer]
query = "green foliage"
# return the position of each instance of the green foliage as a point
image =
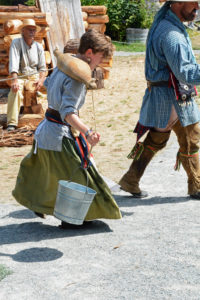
(4, 272)
(123, 14)
(14, 2)
(30, 2)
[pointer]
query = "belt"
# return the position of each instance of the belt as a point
(157, 83)
(53, 116)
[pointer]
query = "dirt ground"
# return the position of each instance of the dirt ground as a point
(116, 109)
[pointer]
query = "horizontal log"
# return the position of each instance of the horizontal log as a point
(3, 53)
(84, 15)
(3, 85)
(12, 26)
(99, 27)
(9, 38)
(40, 18)
(4, 68)
(2, 33)
(19, 8)
(47, 57)
(85, 23)
(98, 19)
(43, 31)
(100, 10)
(1, 44)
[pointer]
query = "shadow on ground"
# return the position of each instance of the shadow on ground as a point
(129, 201)
(37, 231)
(35, 255)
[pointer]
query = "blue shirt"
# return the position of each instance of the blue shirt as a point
(67, 96)
(171, 47)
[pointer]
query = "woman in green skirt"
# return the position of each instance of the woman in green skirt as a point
(54, 155)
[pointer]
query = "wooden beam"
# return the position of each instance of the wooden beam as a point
(40, 18)
(4, 8)
(95, 10)
(98, 19)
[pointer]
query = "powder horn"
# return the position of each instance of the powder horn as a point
(75, 68)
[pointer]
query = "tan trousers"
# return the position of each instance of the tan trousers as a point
(15, 100)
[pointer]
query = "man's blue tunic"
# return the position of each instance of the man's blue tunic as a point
(171, 47)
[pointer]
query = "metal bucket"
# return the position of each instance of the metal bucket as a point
(72, 202)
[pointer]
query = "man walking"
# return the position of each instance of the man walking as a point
(168, 103)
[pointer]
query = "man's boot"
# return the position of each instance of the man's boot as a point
(142, 155)
(188, 155)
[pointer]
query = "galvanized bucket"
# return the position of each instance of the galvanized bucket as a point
(73, 201)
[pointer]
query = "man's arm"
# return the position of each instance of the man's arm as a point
(41, 67)
(41, 80)
(14, 82)
(14, 61)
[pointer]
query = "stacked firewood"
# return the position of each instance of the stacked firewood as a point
(11, 18)
(95, 17)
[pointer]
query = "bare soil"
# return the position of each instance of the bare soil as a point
(115, 112)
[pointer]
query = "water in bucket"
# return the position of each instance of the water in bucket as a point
(72, 202)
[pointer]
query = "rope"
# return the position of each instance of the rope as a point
(94, 116)
(22, 76)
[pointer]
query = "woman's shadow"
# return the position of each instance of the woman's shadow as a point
(38, 231)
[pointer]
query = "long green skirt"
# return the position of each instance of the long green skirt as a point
(37, 182)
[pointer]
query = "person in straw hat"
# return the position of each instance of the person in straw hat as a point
(171, 72)
(55, 154)
(26, 57)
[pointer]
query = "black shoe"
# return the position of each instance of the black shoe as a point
(42, 216)
(65, 225)
(196, 196)
(142, 194)
(11, 127)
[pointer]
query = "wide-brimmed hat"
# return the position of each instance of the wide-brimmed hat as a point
(29, 22)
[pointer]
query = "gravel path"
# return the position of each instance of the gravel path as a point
(152, 253)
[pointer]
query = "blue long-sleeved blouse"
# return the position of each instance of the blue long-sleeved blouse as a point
(171, 47)
(67, 96)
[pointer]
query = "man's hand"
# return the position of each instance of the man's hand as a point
(39, 83)
(15, 85)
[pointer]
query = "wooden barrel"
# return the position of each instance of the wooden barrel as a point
(136, 35)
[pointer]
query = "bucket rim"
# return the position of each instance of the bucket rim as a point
(88, 189)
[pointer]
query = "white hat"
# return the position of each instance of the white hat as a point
(29, 22)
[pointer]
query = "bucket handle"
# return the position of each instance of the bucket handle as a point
(87, 180)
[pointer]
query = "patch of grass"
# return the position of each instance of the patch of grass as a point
(4, 272)
(135, 47)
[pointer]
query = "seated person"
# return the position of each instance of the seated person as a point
(26, 56)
